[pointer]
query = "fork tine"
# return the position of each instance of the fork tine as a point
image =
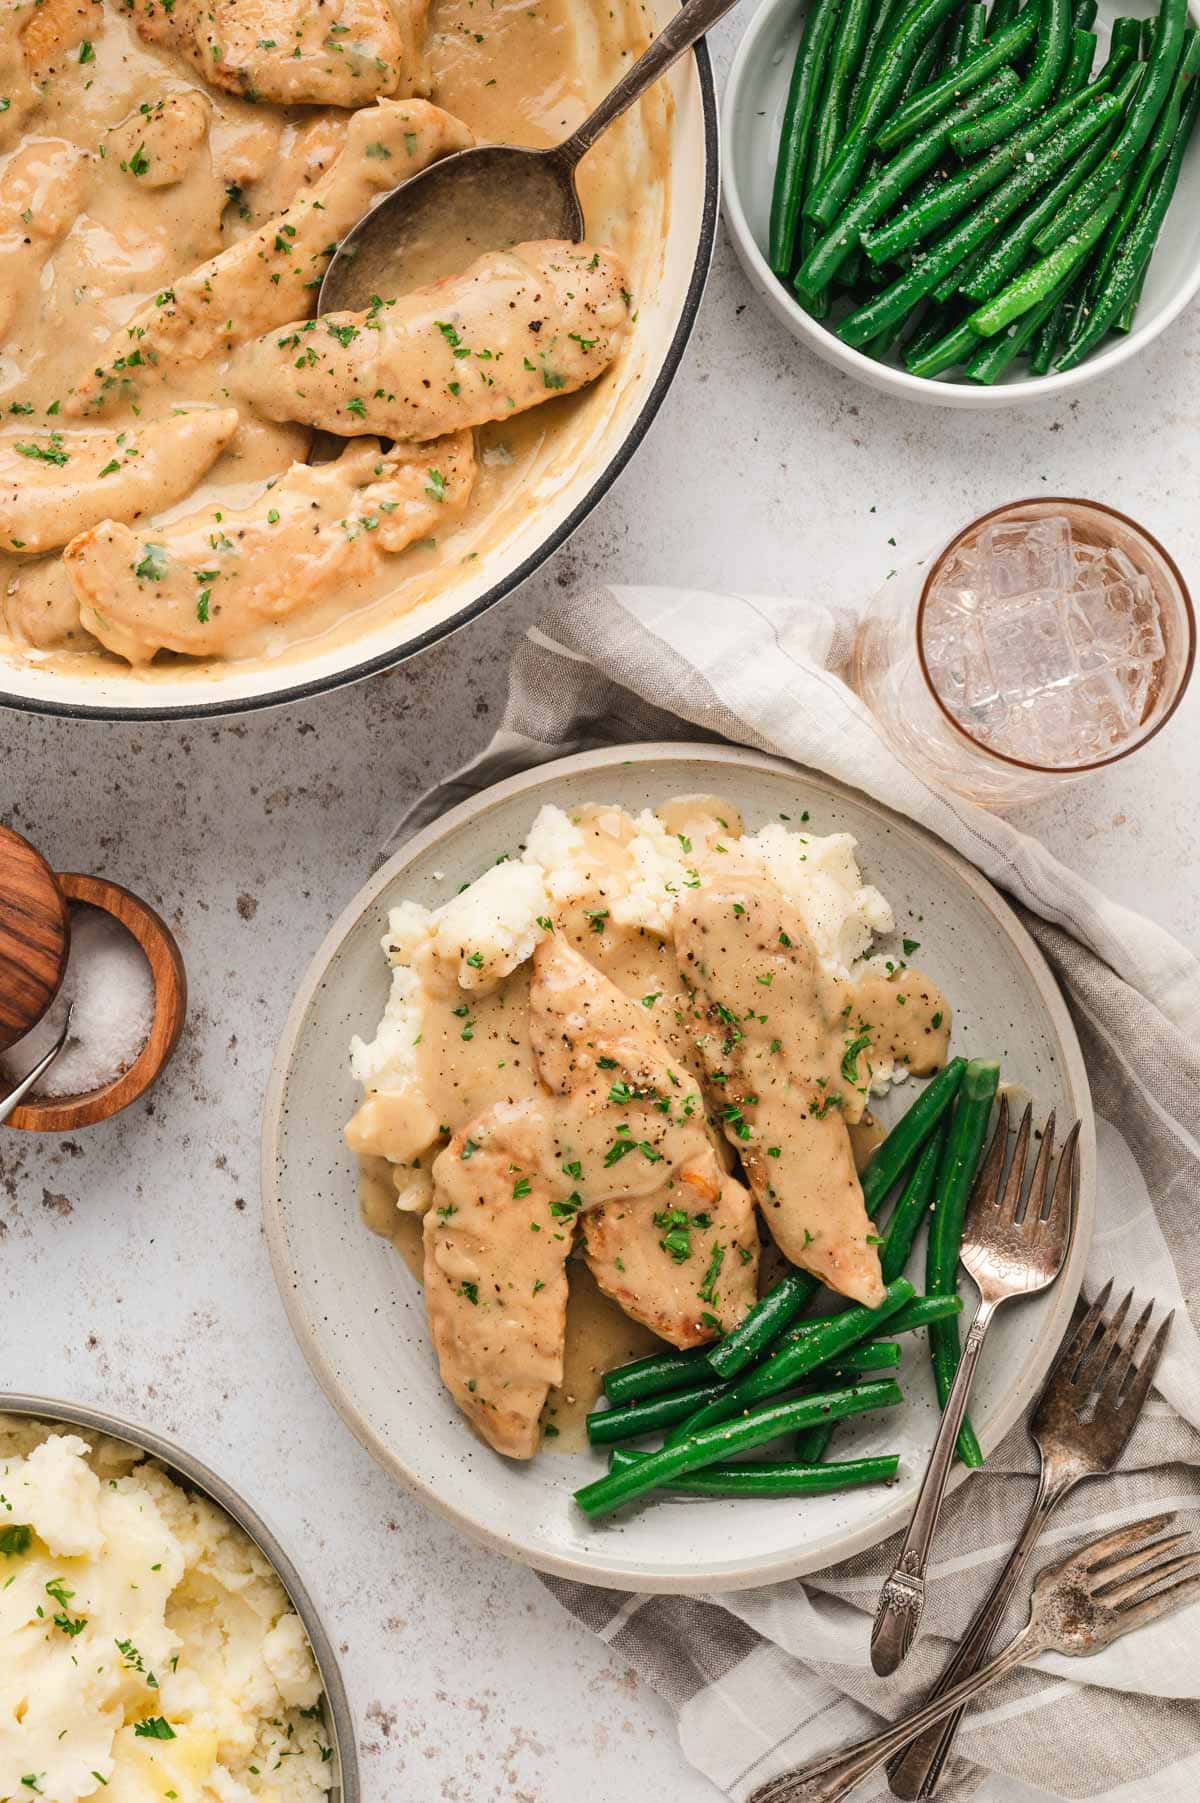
(1056, 1212)
(1009, 1203)
(1117, 1571)
(1093, 1368)
(1164, 1602)
(1134, 1588)
(1123, 1362)
(1143, 1377)
(1039, 1183)
(1122, 1538)
(1085, 1333)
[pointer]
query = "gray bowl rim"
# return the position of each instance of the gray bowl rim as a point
(200, 1476)
(1062, 1297)
(390, 660)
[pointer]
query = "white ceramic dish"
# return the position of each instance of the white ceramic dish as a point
(666, 315)
(751, 116)
(359, 1315)
(338, 1720)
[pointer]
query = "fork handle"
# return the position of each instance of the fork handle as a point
(902, 1599)
(918, 1770)
(828, 1779)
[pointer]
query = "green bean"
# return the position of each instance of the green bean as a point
(605, 1426)
(1079, 64)
(994, 356)
(917, 1313)
(774, 1478)
(1153, 94)
(903, 48)
(963, 274)
(1010, 252)
(975, 29)
(1045, 72)
(951, 251)
(955, 40)
(1158, 147)
(910, 1209)
(795, 138)
(878, 194)
(764, 1323)
(954, 345)
(1048, 336)
(830, 126)
(793, 1361)
(878, 37)
(906, 1138)
(964, 1148)
(928, 66)
(650, 1416)
(710, 1445)
(1125, 43)
(656, 1374)
(1084, 16)
(1002, 12)
(812, 1443)
(1030, 288)
(1125, 322)
(1135, 253)
(961, 191)
(934, 102)
(1146, 40)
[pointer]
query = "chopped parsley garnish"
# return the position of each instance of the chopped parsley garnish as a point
(435, 488)
(470, 1291)
(51, 453)
(936, 1020)
(708, 1291)
(15, 1540)
(155, 1727)
(343, 334)
(676, 1230)
(153, 565)
(521, 1188)
(911, 946)
(139, 162)
(850, 1056)
(87, 53)
(357, 406)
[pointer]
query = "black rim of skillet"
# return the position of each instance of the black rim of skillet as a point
(389, 660)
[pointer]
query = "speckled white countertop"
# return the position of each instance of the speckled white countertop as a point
(133, 1271)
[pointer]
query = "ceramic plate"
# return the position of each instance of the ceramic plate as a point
(359, 1315)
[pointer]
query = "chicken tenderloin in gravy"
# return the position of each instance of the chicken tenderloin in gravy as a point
(616, 1055)
(173, 182)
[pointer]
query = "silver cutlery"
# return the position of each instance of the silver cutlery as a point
(1013, 1245)
(10, 1102)
(1080, 1605)
(1080, 1426)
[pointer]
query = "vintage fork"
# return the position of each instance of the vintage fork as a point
(1080, 1605)
(1012, 1246)
(1095, 1369)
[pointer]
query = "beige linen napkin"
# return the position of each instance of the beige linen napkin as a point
(763, 1680)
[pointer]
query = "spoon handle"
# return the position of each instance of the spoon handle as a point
(12, 1101)
(690, 23)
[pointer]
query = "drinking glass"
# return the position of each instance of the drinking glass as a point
(1005, 696)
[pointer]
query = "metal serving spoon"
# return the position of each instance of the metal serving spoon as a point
(12, 1101)
(494, 195)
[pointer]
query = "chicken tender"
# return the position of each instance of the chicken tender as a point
(268, 278)
(770, 1030)
(209, 584)
(42, 191)
(295, 52)
(682, 1263)
(54, 486)
(514, 329)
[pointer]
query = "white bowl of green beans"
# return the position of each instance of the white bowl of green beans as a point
(968, 204)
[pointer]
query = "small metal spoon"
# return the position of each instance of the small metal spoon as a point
(494, 195)
(12, 1101)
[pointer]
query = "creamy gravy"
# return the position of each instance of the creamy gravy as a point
(481, 1054)
(91, 231)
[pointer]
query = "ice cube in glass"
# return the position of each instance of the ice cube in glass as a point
(1024, 557)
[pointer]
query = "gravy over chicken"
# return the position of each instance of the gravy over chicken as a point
(591, 1106)
(173, 180)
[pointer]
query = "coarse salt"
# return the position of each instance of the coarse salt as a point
(110, 990)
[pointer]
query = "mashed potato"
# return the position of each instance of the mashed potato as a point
(633, 867)
(147, 1649)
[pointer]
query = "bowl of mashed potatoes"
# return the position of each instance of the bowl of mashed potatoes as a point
(155, 1642)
